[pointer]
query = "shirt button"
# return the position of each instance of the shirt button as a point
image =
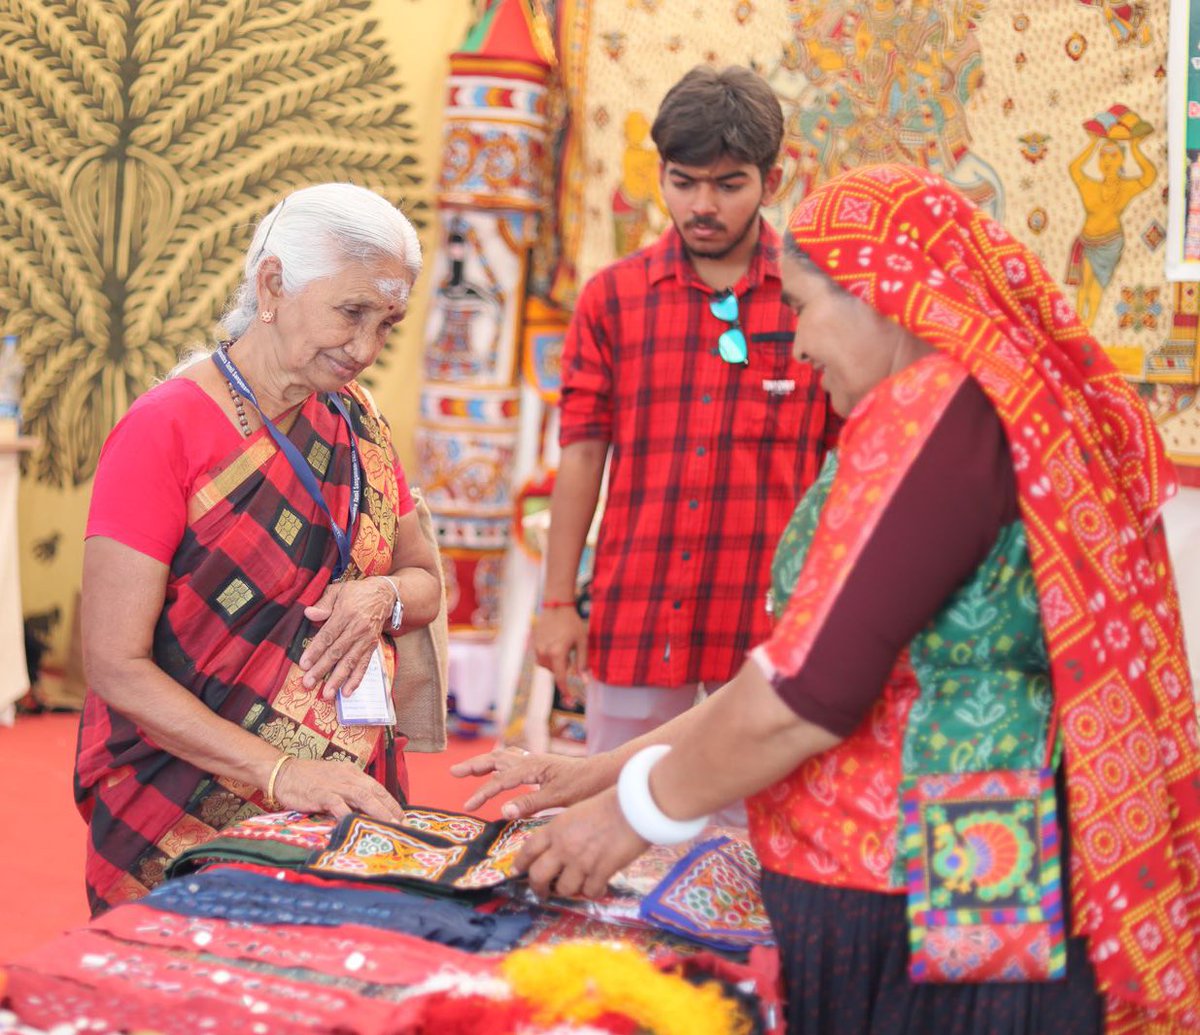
(687, 555)
(693, 504)
(715, 350)
(700, 450)
(677, 605)
(706, 398)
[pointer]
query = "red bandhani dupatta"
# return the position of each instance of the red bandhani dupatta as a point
(1092, 477)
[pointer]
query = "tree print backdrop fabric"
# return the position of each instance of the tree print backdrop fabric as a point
(139, 146)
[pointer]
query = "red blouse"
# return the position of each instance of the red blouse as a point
(150, 463)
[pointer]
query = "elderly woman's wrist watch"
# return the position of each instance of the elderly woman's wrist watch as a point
(397, 616)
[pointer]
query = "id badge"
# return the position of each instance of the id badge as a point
(371, 704)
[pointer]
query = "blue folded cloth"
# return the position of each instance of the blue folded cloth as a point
(254, 898)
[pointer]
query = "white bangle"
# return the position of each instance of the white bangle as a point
(639, 808)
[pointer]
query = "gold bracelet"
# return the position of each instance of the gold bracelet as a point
(270, 799)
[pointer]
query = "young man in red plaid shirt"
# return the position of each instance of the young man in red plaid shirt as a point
(679, 361)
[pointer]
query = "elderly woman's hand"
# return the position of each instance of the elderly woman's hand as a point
(352, 614)
(559, 779)
(576, 853)
(334, 788)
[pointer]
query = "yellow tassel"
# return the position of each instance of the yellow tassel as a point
(580, 980)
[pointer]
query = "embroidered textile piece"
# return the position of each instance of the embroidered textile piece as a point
(120, 986)
(435, 850)
(453, 828)
(984, 877)
(650, 869)
(354, 955)
(230, 894)
(711, 895)
(143, 967)
(284, 839)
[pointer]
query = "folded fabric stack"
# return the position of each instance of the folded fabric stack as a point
(251, 897)
(142, 967)
(214, 952)
(293, 923)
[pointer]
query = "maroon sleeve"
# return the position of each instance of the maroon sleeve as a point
(585, 411)
(937, 529)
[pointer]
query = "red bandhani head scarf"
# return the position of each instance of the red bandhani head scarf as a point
(1092, 478)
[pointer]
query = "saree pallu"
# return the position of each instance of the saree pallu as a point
(256, 552)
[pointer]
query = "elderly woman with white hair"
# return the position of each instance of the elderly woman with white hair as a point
(252, 549)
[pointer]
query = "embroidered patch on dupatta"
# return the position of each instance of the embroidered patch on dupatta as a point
(984, 877)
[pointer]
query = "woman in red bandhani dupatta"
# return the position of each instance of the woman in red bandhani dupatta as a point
(971, 743)
(221, 609)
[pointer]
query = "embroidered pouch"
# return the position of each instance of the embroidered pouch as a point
(981, 853)
(435, 850)
(711, 896)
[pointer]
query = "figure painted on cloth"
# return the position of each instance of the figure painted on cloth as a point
(888, 81)
(1097, 250)
(637, 200)
(946, 683)
(252, 549)
(1125, 19)
(677, 364)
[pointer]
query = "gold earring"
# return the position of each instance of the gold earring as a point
(267, 316)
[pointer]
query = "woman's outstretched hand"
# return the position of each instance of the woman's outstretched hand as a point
(558, 779)
(578, 852)
(334, 788)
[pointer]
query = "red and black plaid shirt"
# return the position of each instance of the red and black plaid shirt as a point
(708, 460)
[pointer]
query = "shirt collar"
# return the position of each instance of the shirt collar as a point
(669, 259)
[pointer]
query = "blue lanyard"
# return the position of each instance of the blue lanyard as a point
(301, 466)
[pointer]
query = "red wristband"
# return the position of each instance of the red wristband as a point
(557, 603)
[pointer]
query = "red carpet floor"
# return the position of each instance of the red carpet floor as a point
(42, 836)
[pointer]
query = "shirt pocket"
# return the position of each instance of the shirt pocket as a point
(769, 388)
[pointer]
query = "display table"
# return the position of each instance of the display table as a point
(14, 677)
(294, 923)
